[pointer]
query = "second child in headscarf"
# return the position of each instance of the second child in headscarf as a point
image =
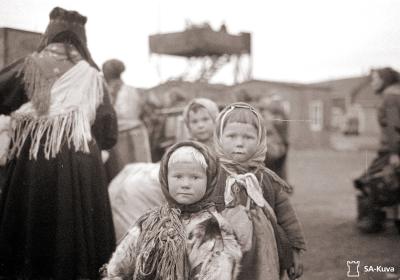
(200, 116)
(241, 144)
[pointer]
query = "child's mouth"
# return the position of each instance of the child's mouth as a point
(185, 194)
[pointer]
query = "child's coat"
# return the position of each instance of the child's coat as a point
(212, 250)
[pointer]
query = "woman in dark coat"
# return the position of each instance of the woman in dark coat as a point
(385, 82)
(55, 217)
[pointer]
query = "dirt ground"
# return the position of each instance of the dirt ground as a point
(325, 201)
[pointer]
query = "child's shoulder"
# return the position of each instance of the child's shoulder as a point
(269, 178)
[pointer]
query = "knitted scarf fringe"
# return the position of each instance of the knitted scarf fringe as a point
(161, 250)
(70, 128)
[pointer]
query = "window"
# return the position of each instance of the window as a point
(316, 115)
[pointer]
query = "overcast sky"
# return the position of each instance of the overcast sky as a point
(293, 40)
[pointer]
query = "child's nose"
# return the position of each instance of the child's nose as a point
(239, 142)
(185, 183)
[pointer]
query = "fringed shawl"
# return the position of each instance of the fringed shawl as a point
(63, 116)
(161, 246)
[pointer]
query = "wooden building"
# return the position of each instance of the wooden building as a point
(16, 43)
(354, 98)
(307, 107)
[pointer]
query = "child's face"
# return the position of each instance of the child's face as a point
(201, 125)
(239, 140)
(187, 182)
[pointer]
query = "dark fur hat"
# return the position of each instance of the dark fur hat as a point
(65, 21)
(68, 27)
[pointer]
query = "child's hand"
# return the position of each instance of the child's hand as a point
(296, 271)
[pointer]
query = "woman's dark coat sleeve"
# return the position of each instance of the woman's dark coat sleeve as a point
(12, 92)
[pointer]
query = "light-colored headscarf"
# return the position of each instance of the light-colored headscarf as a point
(256, 161)
(208, 104)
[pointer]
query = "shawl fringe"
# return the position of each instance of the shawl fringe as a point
(70, 128)
(161, 250)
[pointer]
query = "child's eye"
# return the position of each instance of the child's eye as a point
(178, 176)
(248, 137)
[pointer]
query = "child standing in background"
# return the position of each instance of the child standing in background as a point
(240, 143)
(199, 116)
(186, 238)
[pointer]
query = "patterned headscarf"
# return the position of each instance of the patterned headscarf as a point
(212, 175)
(207, 104)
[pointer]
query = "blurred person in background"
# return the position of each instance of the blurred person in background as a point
(55, 215)
(133, 140)
(200, 116)
(379, 185)
(274, 115)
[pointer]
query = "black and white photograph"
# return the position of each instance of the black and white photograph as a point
(199, 140)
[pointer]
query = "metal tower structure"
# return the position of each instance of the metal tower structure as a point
(213, 49)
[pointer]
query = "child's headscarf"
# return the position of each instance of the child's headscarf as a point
(256, 161)
(208, 104)
(243, 173)
(161, 246)
(212, 174)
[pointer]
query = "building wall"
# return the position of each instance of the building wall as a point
(15, 44)
(301, 99)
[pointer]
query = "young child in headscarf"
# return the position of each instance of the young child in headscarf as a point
(185, 238)
(240, 144)
(136, 189)
(199, 116)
